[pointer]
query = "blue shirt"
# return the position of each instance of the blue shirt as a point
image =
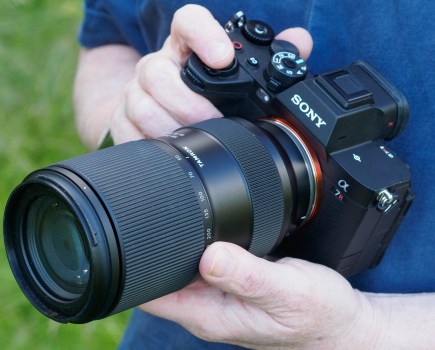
(396, 37)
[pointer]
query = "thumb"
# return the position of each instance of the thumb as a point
(236, 271)
(300, 38)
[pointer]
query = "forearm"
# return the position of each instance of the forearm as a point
(408, 320)
(101, 77)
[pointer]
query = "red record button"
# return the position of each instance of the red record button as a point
(237, 45)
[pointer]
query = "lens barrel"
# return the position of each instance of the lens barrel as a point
(97, 234)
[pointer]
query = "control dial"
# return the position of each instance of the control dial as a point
(258, 32)
(285, 69)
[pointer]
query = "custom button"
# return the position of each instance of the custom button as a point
(252, 61)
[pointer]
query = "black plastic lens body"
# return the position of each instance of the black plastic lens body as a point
(100, 233)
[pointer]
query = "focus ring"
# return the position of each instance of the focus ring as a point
(261, 176)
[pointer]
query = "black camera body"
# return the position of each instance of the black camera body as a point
(362, 188)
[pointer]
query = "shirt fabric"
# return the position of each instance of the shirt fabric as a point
(395, 36)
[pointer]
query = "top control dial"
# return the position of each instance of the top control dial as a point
(258, 32)
(285, 69)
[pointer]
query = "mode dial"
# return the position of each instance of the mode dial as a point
(285, 69)
(282, 45)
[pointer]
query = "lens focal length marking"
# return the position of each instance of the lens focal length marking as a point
(198, 187)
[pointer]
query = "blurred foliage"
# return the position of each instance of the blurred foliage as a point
(38, 53)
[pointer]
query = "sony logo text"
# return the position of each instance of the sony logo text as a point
(309, 112)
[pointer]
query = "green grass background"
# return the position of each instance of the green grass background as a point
(38, 54)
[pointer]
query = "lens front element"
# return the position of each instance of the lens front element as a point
(60, 245)
(55, 247)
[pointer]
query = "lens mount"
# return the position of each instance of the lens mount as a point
(307, 174)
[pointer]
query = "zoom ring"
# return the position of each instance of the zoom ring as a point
(261, 176)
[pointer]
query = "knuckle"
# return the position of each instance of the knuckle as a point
(134, 108)
(141, 64)
(253, 283)
(154, 69)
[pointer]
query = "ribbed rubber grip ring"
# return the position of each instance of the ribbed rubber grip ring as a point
(156, 214)
(261, 175)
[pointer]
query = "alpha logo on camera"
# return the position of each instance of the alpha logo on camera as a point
(307, 110)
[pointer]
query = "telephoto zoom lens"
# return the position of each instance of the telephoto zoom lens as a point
(98, 234)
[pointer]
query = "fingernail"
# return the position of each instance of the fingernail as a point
(217, 52)
(222, 263)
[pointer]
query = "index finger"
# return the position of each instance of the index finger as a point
(195, 29)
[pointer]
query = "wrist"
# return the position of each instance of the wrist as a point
(369, 326)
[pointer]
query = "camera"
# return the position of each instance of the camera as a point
(297, 167)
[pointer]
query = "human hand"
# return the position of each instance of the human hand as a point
(292, 304)
(156, 101)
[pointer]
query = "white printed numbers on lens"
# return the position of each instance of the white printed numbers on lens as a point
(206, 214)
